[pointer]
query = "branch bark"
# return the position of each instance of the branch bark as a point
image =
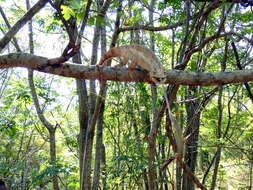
(19, 24)
(15, 41)
(239, 66)
(122, 74)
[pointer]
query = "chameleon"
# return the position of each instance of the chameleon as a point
(141, 56)
(138, 55)
(145, 58)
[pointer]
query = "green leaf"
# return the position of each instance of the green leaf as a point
(67, 12)
(75, 4)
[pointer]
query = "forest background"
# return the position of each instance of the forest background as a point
(72, 133)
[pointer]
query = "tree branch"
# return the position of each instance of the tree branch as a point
(207, 41)
(244, 3)
(151, 28)
(15, 42)
(20, 23)
(227, 1)
(122, 74)
(239, 66)
(39, 111)
(84, 22)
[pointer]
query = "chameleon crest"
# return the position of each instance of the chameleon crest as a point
(137, 55)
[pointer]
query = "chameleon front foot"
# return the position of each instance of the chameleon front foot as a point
(100, 77)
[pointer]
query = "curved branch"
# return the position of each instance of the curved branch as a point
(148, 27)
(84, 22)
(151, 28)
(39, 111)
(207, 41)
(178, 77)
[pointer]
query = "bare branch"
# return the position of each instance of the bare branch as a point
(227, 1)
(151, 28)
(122, 74)
(207, 41)
(84, 22)
(39, 111)
(15, 42)
(168, 27)
(239, 66)
(20, 23)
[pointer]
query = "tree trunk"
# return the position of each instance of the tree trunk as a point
(95, 101)
(218, 155)
(53, 156)
(103, 166)
(178, 177)
(82, 113)
(219, 125)
(83, 118)
(51, 129)
(98, 153)
(191, 146)
(99, 133)
(178, 168)
(24, 178)
(216, 168)
(250, 173)
(151, 164)
(86, 171)
(152, 173)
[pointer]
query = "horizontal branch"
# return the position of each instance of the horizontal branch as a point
(178, 77)
(151, 28)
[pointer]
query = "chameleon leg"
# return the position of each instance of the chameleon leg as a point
(155, 80)
(131, 67)
(100, 78)
(160, 81)
(122, 62)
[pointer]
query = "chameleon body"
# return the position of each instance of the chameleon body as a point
(138, 55)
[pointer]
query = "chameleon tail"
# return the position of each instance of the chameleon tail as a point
(108, 55)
